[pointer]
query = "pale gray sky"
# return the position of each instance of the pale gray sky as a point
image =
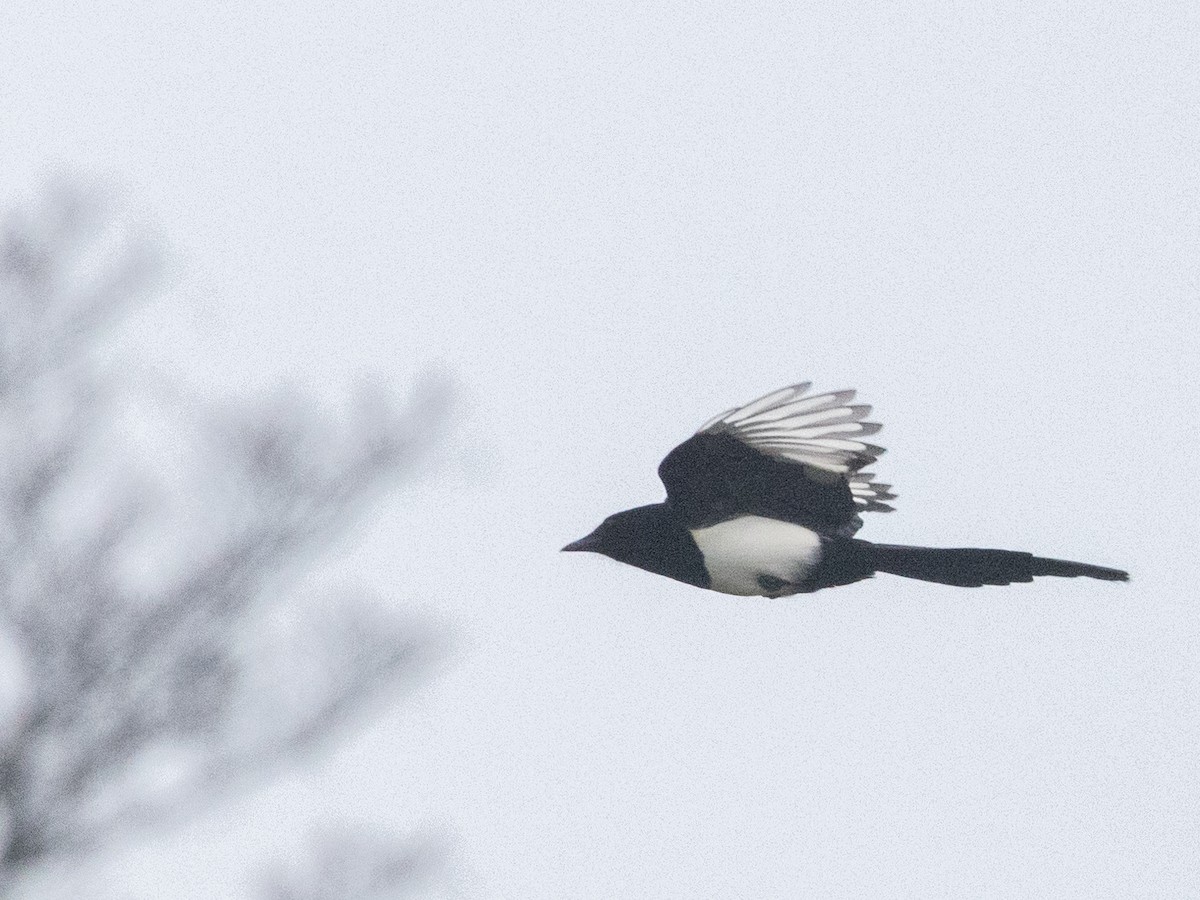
(610, 222)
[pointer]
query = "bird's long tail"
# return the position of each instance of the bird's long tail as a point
(973, 568)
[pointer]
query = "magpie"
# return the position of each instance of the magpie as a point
(764, 500)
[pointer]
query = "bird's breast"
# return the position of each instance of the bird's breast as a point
(754, 555)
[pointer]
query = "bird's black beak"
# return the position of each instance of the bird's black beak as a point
(591, 542)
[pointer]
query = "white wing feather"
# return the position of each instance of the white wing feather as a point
(822, 430)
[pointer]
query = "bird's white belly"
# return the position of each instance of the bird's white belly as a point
(737, 552)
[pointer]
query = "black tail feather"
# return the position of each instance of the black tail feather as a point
(974, 568)
(1066, 569)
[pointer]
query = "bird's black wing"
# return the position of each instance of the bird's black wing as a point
(786, 456)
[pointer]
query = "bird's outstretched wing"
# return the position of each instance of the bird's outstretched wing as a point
(787, 456)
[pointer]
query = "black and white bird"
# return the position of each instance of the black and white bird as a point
(765, 499)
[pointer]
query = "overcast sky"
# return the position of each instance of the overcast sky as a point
(610, 221)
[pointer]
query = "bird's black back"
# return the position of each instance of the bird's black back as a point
(712, 477)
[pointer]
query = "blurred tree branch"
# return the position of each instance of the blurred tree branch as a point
(346, 863)
(129, 579)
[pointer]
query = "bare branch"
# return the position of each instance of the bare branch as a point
(349, 863)
(130, 587)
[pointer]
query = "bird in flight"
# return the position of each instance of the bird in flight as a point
(765, 499)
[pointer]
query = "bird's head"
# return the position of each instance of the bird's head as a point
(623, 533)
(649, 537)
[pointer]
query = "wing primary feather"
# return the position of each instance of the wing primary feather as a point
(822, 431)
(803, 436)
(715, 420)
(802, 406)
(767, 401)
